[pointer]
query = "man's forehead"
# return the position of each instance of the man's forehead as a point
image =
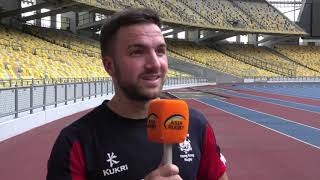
(143, 26)
(133, 32)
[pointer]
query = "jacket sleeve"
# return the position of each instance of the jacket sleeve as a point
(211, 167)
(66, 160)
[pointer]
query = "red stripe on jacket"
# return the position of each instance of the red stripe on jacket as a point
(77, 166)
(211, 167)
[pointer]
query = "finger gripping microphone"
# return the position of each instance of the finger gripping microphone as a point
(168, 122)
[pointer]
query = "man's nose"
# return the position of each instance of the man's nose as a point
(152, 61)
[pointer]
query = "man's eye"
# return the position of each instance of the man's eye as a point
(136, 52)
(161, 52)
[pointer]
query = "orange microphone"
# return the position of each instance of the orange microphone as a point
(168, 123)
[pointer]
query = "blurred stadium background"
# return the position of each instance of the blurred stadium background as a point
(50, 67)
(50, 56)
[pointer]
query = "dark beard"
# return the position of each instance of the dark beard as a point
(134, 92)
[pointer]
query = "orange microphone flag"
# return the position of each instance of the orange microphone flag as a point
(168, 121)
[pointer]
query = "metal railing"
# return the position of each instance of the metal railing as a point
(27, 82)
(28, 97)
(287, 79)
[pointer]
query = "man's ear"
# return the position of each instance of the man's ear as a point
(108, 65)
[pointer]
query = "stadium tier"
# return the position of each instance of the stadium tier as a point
(256, 16)
(60, 54)
(66, 39)
(308, 56)
(56, 54)
(38, 52)
(224, 14)
(273, 61)
(26, 56)
(214, 59)
(267, 16)
(166, 12)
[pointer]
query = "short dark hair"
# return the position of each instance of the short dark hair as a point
(125, 18)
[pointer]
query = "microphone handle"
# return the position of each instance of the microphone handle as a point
(167, 154)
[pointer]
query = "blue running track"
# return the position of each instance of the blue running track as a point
(304, 90)
(297, 131)
(301, 106)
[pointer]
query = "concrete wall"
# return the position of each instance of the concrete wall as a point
(316, 18)
(309, 17)
(253, 39)
(9, 5)
(315, 42)
(12, 127)
(199, 71)
(17, 126)
(73, 20)
(193, 35)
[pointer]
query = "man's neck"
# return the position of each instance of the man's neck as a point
(128, 108)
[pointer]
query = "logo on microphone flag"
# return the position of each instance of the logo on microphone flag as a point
(151, 122)
(174, 122)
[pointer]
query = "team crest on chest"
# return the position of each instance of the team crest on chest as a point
(114, 165)
(186, 150)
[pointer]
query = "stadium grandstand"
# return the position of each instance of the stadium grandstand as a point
(50, 56)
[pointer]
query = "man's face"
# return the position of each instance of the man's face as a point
(139, 61)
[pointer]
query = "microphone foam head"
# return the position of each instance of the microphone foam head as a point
(168, 121)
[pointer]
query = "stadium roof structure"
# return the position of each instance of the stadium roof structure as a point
(194, 14)
(225, 16)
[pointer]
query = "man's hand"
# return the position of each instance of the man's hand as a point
(165, 172)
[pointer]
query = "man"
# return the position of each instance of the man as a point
(111, 141)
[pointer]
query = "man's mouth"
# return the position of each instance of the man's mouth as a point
(151, 80)
(150, 77)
